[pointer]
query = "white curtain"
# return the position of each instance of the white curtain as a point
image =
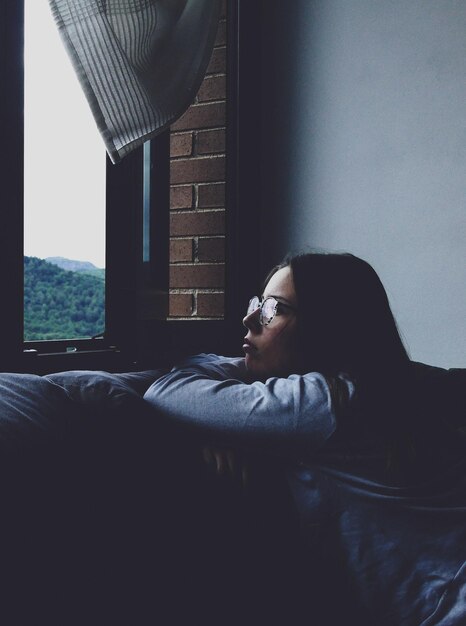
(140, 62)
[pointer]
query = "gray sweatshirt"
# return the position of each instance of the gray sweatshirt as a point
(402, 547)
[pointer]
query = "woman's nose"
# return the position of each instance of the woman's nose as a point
(251, 320)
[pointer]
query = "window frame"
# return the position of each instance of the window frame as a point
(130, 341)
(40, 356)
(11, 189)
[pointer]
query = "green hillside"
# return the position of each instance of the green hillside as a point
(61, 304)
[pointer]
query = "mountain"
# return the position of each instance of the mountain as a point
(69, 264)
(62, 304)
(84, 267)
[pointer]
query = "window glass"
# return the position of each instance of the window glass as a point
(64, 188)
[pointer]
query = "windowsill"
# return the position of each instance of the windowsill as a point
(108, 359)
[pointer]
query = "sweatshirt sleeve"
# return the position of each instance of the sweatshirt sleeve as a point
(211, 394)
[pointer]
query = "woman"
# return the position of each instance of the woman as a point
(327, 387)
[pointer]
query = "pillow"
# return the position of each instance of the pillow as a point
(99, 388)
(33, 411)
(442, 393)
(114, 415)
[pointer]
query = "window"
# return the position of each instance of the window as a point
(70, 353)
(64, 193)
(152, 226)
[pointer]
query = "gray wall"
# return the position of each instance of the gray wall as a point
(364, 150)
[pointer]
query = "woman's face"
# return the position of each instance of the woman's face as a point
(272, 350)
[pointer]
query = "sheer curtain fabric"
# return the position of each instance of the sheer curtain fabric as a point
(140, 62)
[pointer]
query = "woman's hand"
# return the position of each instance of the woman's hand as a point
(227, 463)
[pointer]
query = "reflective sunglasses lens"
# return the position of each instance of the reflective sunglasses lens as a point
(268, 310)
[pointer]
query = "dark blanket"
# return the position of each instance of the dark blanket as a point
(108, 515)
(77, 516)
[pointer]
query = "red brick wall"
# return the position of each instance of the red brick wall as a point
(197, 196)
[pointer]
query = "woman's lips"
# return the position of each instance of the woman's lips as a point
(248, 347)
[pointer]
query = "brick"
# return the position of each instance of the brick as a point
(210, 141)
(181, 144)
(211, 195)
(181, 250)
(210, 304)
(213, 88)
(211, 249)
(197, 223)
(192, 276)
(181, 197)
(218, 61)
(221, 37)
(204, 169)
(180, 304)
(202, 116)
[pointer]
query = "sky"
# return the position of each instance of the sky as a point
(64, 205)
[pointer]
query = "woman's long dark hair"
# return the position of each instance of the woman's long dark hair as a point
(345, 323)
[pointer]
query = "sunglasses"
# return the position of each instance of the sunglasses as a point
(268, 308)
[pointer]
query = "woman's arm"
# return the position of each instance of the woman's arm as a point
(211, 394)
